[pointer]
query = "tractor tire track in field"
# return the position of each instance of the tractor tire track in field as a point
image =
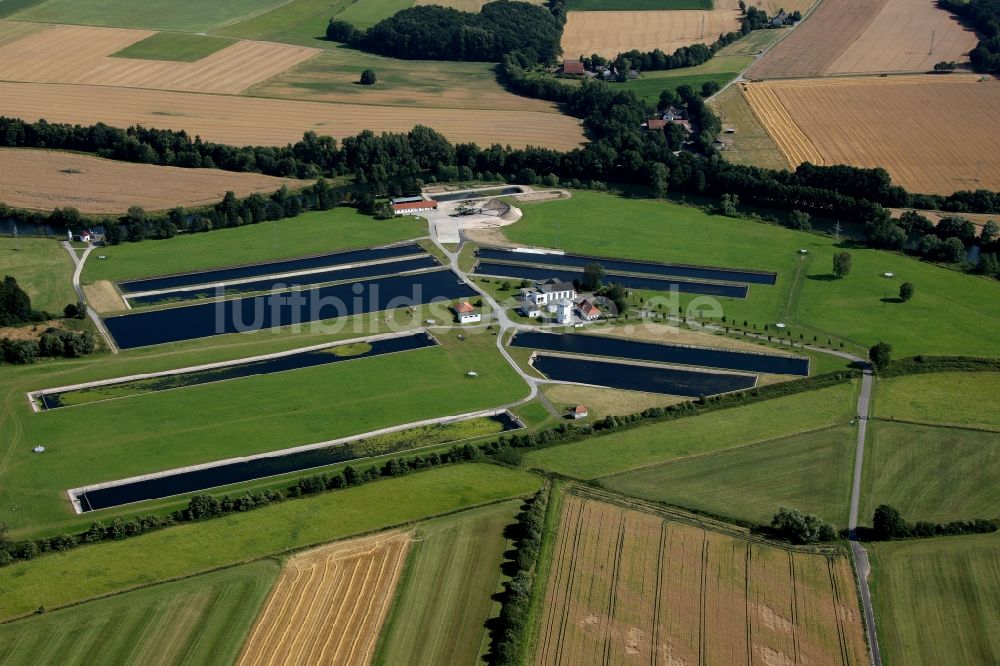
(613, 590)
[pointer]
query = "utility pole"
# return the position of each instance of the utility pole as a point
(836, 231)
(979, 169)
(931, 52)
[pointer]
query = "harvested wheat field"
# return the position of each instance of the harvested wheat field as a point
(611, 33)
(638, 584)
(329, 604)
(81, 54)
(909, 125)
(46, 179)
(244, 121)
(907, 36)
(772, 7)
(979, 220)
(819, 41)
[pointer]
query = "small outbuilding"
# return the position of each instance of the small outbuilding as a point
(573, 67)
(564, 311)
(529, 309)
(588, 310)
(466, 313)
(579, 412)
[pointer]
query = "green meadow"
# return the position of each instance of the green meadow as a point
(42, 268)
(176, 46)
(181, 15)
(970, 399)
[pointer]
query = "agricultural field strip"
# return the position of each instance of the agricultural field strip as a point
(75, 493)
(609, 33)
(272, 284)
(34, 396)
(329, 604)
(763, 624)
(69, 54)
(272, 276)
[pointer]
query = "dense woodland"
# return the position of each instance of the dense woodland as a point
(984, 16)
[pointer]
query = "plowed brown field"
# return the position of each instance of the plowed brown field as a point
(80, 54)
(46, 179)
(243, 121)
(631, 586)
(908, 125)
(611, 33)
(329, 604)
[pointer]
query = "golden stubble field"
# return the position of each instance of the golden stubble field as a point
(933, 134)
(46, 179)
(252, 121)
(328, 604)
(633, 587)
(81, 54)
(611, 33)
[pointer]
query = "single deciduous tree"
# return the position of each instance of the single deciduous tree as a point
(880, 355)
(841, 264)
(888, 523)
(368, 77)
(906, 291)
(593, 277)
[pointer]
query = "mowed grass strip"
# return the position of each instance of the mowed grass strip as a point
(297, 22)
(932, 474)
(174, 46)
(315, 232)
(182, 15)
(42, 268)
(186, 549)
(937, 601)
(445, 595)
(946, 316)
(198, 620)
(969, 399)
(691, 436)
(811, 472)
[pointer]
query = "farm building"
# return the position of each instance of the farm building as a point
(573, 67)
(466, 313)
(588, 310)
(414, 206)
(579, 412)
(656, 123)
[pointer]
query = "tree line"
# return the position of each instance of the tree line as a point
(16, 310)
(888, 524)
(984, 17)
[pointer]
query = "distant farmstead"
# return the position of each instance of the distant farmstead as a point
(573, 67)
(404, 207)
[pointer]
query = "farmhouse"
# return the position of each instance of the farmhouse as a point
(588, 310)
(421, 205)
(466, 313)
(573, 67)
(551, 292)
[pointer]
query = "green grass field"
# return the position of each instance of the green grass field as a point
(297, 22)
(195, 547)
(443, 598)
(366, 13)
(169, 429)
(937, 601)
(311, 233)
(947, 314)
(42, 268)
(969, 399)
(198, 620)
(811, 472)
(933, 474)
(649, 86)
(636, 5)
(182, 15)
(697, 435)
(176, 46)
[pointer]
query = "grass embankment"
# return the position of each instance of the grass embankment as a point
(937, 601)
(181, 15)
(969, 399)
(87, 444)
(811, 472)
(195, 547)
(198, 620)
(443, 599)
(946, 316)
(315, 232)
(695, 435)
(174, 46)
(932, 474)
(42, 268)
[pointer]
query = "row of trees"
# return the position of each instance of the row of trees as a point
(53, 343)
(888, 524)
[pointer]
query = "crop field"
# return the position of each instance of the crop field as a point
(445, 595)
(82, 55)
(332, 76)
(603, 456)
(609, 33)
(177, 46)
(750, 144)
(627, 585)
(820, 40)
(931, 473)
(907, 36)
(933, 399)
(937, 601)
(195, 547)
(806, 295)
(201, 619)
(856, 121)
(637, 5)
(353, 582)
(466, 5)
(311, 233)
(254, 121)
(42, 268)
(46, 179)
(811, 472)
(181, 15)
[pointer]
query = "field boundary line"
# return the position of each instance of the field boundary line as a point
(796, 649)
(929, 424)
(613, 588)
(659, 592)
(702, 603)
(747, 577)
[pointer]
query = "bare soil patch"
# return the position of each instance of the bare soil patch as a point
(328, 604)
(46, 179)
(30, 331)
(611, 33)
(895, 123)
